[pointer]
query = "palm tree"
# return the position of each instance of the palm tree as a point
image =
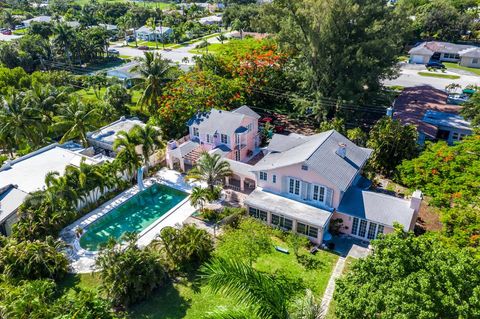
(152, 24)
(155, 72)
(199, 197)
(77, 118)
(221, 38)
(127, 155)
(258, 295)
(210, 169)
(150, 139)
(46, 99)
(18, 121)
(238, 25)
(63, 39)
(8, 19)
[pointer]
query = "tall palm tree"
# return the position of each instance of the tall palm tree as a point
(63, 39)
(258, 295)
(210, 169)
(77, 119)
(149, 138)
(46, 99)
(155, 72)
(18, 121)
(199, 197)
(127, 155)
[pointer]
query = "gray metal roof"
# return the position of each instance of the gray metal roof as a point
(470, 53)
(10, 199)
(220, 121)
(108, 134)
(376, 207)
(288, 207)
(319, 152)
(245, 110)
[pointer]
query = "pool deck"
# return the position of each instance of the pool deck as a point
(83, 261)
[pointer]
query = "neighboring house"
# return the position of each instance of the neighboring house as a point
(10, 199)
(211, 20)
(126, 73)
(426, 108)
(232, 134)
(102, 139)
(147, 34)
(305, 182)
(470, 57)
(27, 174)
(109, 27)
(444, 52)
(73, 24)
(45, 19)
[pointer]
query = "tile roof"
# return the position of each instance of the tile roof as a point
(376, 207)
(288, 207)
(319, 152)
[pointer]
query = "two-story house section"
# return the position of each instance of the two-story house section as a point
(232, 134)
(306, 181)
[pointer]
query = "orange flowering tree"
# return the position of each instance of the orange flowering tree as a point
(194, 92)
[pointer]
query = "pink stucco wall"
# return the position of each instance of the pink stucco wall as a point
(296, 171)
(348, 220)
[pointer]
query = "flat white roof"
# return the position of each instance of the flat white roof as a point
(108, 134)
(28, 172)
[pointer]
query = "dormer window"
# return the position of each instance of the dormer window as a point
(305, 167)
(195, 132)
(224, 138)
(209, 140)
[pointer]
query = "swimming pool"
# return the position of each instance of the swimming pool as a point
(135, 215)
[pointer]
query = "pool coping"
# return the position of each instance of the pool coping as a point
(69, 235)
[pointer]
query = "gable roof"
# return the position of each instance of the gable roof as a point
(148, 30)
(10, 199)
(220, 121)
(438, 46)
(319, 152)
(376, 207)
(470, 53)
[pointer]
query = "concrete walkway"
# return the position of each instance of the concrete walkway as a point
(328, 295)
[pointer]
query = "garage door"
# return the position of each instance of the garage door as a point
(417, 59)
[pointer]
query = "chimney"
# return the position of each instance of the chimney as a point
(415, 203)
(342, 150)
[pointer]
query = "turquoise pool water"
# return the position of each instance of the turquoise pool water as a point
(134, 215)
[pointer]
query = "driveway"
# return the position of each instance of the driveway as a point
(409, 77)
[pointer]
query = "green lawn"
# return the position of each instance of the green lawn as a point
(179, 45)
(212, 48)
(439, 75)
(451, 65)
(189, 299)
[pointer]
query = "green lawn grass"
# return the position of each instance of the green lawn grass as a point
(439, 75)
(179, 45)
(212, 48)
(189, 299)
(452, 65)
(149, 4)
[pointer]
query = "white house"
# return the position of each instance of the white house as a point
(425, 52)
(211, 20)
(45, 19)
(147, 34)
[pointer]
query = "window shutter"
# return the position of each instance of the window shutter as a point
(284, 180)
(304, 190)
(329, 200)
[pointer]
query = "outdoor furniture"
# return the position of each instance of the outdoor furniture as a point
(314, 250)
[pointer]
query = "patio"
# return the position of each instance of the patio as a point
(347, 245)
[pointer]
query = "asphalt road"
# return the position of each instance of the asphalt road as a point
(409, 77)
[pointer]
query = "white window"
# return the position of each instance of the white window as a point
(208, 138)
(294, 186)
(224, 138)
(474, 61)
(305, 167)
(363, 228)
(263, 176)
(355, 226)
(274, 178)
(249, 127)
(379, 230)
(307, 230)
(318, 193)
(372, 227)
(195, 132)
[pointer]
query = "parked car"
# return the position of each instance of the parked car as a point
(435, 65)
(143, 47)
(7, 32)
(113, 52)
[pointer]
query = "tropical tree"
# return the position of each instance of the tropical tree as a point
(149, 137)
(238, 25)
(77, 119)
(184, 248)
(64, 37)
(417, 277)
(221, 38)
(23, 259)
(118, 97)
(392, 142)
(129, 274)
(199, 197)
(210, 169)
(127, 156)
(257, 294)
(155, 72)
(46, 99)
(471, 109)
